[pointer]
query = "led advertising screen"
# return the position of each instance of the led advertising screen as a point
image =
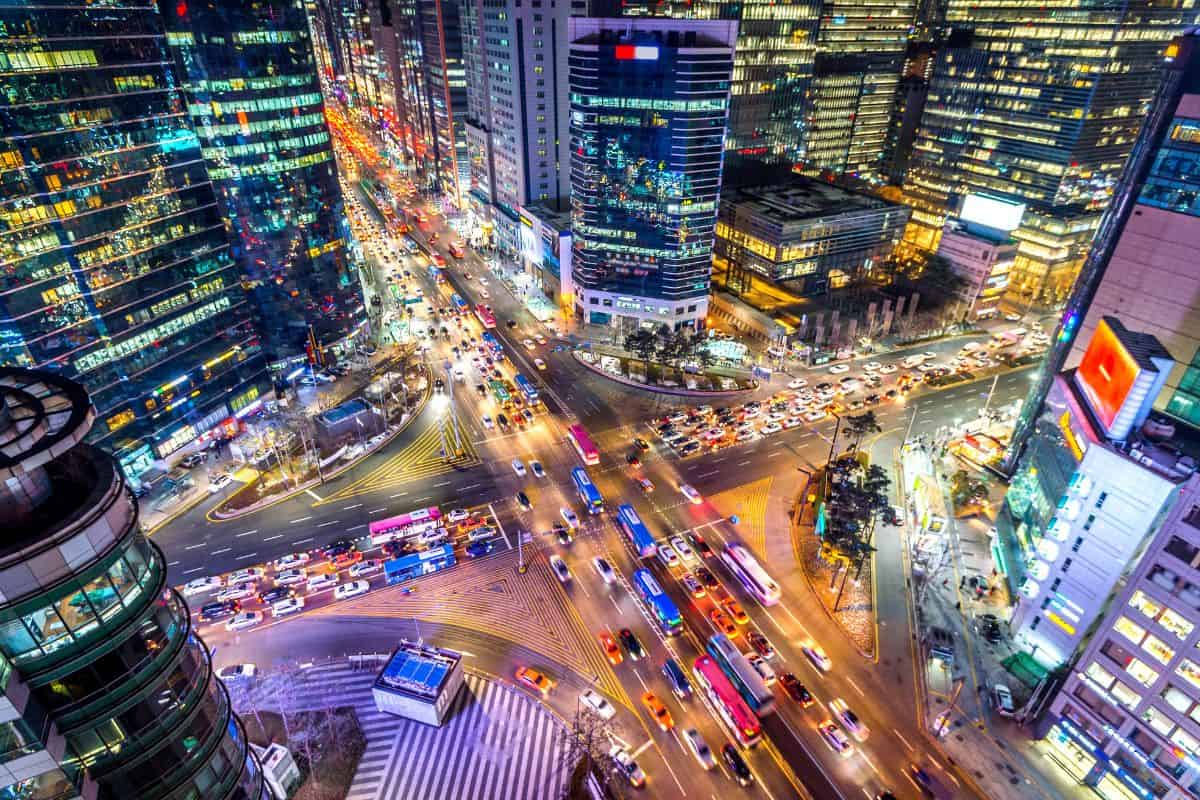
(1106, 374)
(991, 212)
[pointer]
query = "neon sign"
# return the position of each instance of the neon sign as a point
(629, 52)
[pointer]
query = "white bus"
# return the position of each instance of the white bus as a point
(751, 575)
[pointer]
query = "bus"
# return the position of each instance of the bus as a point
(751, 574)
(587, 490)
(460, 305)
(636, 530)
(458, 249)
(490, 340)
(437, 274)
(499, 392)
(485, 316)
(527, 388)
(584, 444)
(664, 610)
(414, 565)
(749, 683)
(730, 707)
(405, 525)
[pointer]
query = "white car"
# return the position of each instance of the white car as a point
(838, 742)
(872, 366)
(627, 766)
(816, 415)
(684, 549)
(762, 668)
(817, 656)
(699, 748)
(345, 591)
(569, 517)
(792, 422)
(291, 577)
(597, 703)
(667, 555)
(484, 294)
(849, 719)
(518, 467)
(457, 515)
(239, 592)
(236, 672)
(712, 434)
(541, 365)
(770, 427)
(691, 494)
(1003, 700)
(838, 369)
(218, 482)
(604, 569)
(365, 567)
(887, 369)
(488, 424)
(292, 605)
(243, 620)
(561, 571)
(529, 345)
(250, 575)
(927, 366)
(319, 583)
(290, 561)
(797, 383)
(202, 586)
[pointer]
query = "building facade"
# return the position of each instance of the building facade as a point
(118, 267)
(546, 250)
(811, 235)
(105, 683)
(516, 66)
(649, 102)
(254, 97)
(1027, 106)
(980, 248)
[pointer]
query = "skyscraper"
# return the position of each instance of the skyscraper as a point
(649, 102)
(118, 270)
(254, 97)
(1031, 105)
(516, 71)
(107, 691)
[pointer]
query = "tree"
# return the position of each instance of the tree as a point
(584, 750)
(642, 343)
(859, 426)
(939, 278)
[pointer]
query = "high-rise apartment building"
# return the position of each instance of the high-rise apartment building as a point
(516, 66)
(254, 98)
(118, 271)
(649, 101)
(106, 692)
(1030, 105)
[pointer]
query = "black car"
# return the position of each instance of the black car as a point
(760, 644)
(665, 428)
(689, 448)
(275, 595)
(795, 689)
(641, 444)
(632, 460)
(733, 760)
(562, 533)
(502, 420)
(215, 611)
(481, 547)
(481, 390)
(707, 578)
(885, 795)
(632, 645)
(439, 386)
(397, 548)
(337, 548)
(512, 323)
(523, 501)
(700, 545)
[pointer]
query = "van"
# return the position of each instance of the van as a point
(913, 361)
(941, 645)
(675, 676)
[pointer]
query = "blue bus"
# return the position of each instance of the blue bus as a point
(490, 340)
(414, 565)
(527, 388)
(460, 305)
(587, 490)
(665, 611)
(741, 674)
(636, 530)
(436, 274)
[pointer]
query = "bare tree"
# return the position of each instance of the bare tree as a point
(584, 750)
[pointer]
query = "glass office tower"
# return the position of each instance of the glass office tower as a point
(255, 99)
(106, 692)
(117, 266)
(649, 100)
(1038, 105)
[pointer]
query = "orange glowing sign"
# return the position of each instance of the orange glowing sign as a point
(1106, 374)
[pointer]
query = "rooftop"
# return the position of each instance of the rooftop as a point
(799, 201)
(417, 670)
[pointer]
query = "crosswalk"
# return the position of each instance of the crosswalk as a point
(421, 459)
(496, 744)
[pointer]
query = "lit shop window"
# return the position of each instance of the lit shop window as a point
(1129, 630)
(1141, 672)
(1144, 604)
(1188, 670)
(1155, 647)
(1100, 675)
(1158, 721)
(1176, 624)
(1185, 741)
(1126, 696)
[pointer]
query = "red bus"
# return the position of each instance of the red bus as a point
(457, 249)
(405, 525)
(437, 259)
(584, 444)
(485, 316)
(729, 705)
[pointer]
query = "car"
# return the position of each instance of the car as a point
(193, 460)
(536, 467)
(796, 690)
(529, 345)
(691, 494)
(658, 710)
(921, 779)
(723, 623)
(699, 749)
(849, 719)
(689, 447)
(480, 390)
(502, 420)
(837, 741)
(632, 460)
(541, 365)
(243, 620)
(684, 549)
(818, 658)
(351, 557)
(523, 501)
(561, 571)
(535, 680)
(693, 586)
(604, 570)
(248, 575)
(218, 482)
(667, 555)
(611, 650)
(457, 515)
(291, 560)
(737, 765)
(291, 577)
(838, 369)
(275, 594)
(631, 643)
(797, 383)
(239, 592)
(641, 444)
(761, 644)
(598, 704)
(646, 485)
(337, 547)
(319, 583)
(872, 366)
(199, 586)
(345, 591)
(211, 612)
(1013, 317)
(707, 578)
(481, 547)
(488, 424)
(792, 422)
(539, 338)
(763, 669)
(1003, 700)
(701, 546)
(569, 517)
(237, 672)
(887, 369)
(518, 467)
(770, 427)
(625, 764)
(816, 415)
(734, 609)
(290, 605)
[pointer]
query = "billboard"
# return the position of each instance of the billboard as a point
(1106, 375)
(991, 212)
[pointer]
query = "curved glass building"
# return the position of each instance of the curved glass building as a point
(254, 98)
(107, 692)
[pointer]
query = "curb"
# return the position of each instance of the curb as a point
(660, 389)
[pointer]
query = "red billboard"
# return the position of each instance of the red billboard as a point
(1106, 374)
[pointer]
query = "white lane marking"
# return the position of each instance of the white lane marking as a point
(247, 555)
(443, 483)
(377, 510)
(394, 496)
(273, 538)
(707, 474)
(356, 527)
(855, 685)
(302, 541)
(172, 563)
(743, 463)
(193, 546)
(302, 519)
(900, 736)
(772, 455)
(356, 505)
(314, 495)
(247, 533)
(642, 748)
(190, 571)
(222, 550)
(331, 522)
